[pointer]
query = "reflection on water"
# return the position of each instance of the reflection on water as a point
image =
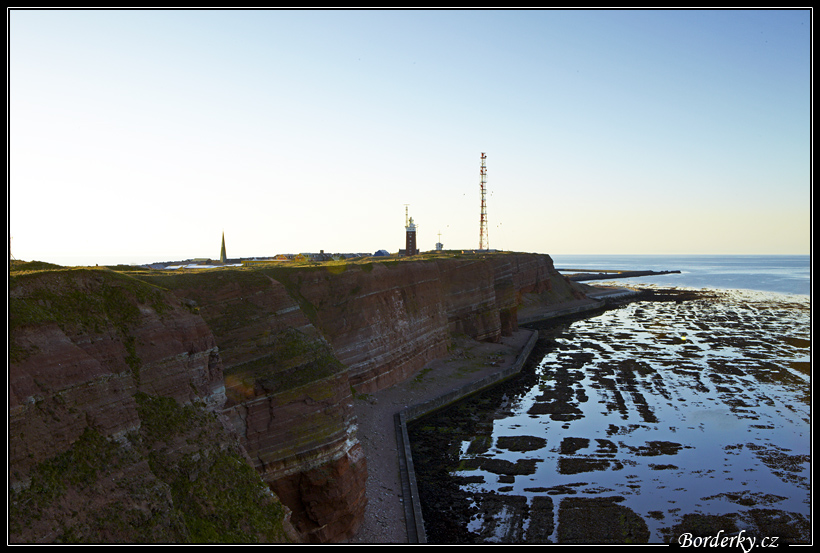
(670, 407)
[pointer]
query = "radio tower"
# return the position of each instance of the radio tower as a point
(483, 240)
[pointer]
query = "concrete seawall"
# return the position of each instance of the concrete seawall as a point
(599, 299)
(412, 507)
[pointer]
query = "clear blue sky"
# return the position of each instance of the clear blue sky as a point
(139, 136)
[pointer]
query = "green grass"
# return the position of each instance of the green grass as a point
(202, 492)
(88, 300)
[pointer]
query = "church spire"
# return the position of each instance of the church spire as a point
(223, 257)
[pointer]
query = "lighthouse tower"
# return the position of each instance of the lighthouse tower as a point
(410, 235)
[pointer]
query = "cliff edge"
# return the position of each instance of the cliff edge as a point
(175, 376)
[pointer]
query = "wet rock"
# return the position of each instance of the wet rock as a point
(502, 466)
(599, 520)
(542, 520)
(570, 446)
(700, 525)
(688, 395)
(521, 443)
(578, 465)
(788, 527)
(501, 518)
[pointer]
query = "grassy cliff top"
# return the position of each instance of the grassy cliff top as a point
(18, 268)
(19, 265)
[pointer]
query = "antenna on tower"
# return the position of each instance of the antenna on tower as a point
(483, 240)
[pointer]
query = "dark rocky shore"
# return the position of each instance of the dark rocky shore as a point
(622, 478)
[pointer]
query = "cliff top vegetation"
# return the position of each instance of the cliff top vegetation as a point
(19, 267)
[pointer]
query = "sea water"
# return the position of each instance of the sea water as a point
(786, 274)
(686, 407)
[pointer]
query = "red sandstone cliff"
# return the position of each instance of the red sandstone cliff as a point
(276, 352)
(288, 398)
(386, 321)
(114, 432)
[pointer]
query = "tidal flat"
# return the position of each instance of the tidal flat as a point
(687, 411)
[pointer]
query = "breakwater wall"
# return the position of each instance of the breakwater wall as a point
(412, 507)
(599, 299)
(606, 275)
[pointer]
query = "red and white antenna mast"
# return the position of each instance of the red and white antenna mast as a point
(483, 240)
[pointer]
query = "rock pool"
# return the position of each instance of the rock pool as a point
(685, 413)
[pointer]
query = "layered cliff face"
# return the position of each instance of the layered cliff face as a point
(387, 320)
(275, 351)
(288, 398)
(94, 338)
(114, 432)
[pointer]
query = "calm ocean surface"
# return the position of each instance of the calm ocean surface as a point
(785, 274)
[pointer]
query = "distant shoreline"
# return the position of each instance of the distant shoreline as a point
(606, 274)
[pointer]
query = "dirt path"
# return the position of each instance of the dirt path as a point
(470, 361)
